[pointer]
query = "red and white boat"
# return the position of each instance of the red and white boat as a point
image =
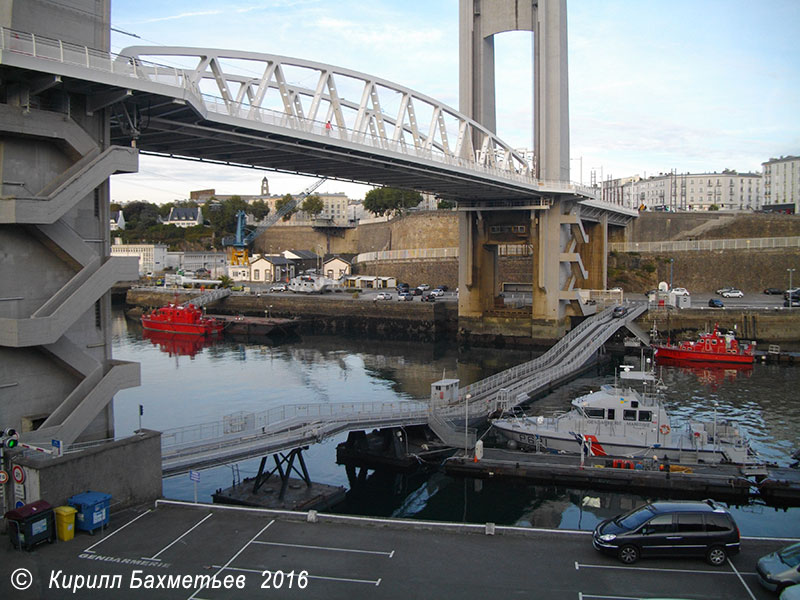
(179, 318)
(713, 347)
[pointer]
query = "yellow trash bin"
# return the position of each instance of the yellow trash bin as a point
(65, 522)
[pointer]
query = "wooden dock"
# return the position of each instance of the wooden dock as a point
(734, 483)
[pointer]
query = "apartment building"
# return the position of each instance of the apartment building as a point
(688, 191)
(782, 184)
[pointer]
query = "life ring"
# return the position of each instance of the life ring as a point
(664, 429)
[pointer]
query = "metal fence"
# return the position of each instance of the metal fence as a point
(697, 245)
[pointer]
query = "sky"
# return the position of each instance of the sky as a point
(654, 85)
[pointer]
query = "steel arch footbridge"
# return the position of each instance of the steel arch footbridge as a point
(285, 114)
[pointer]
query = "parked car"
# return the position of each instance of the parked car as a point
(438, 292)
(428, 298)
(670, 529)
(444, 288)
(793, 292)
(281, 287)
(680, 291)
(720, 291)
(383, 296)
(424, 287)
(203, 272)
(415, 292)
(619, 311)
(405, 296)
(781, 569)
(790, 593)
(793, 302)
(732, 293)
(402, 287)
(715, 303)
(773, 291)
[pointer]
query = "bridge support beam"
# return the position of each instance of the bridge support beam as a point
(595, 253)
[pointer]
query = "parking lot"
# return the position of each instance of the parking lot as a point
(166, 552)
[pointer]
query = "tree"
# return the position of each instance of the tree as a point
(312, 205)
(139, 216)
(381, 201)
(281, 203)
(259, 209)
(713, 207)
(222, 215)
(445, 205)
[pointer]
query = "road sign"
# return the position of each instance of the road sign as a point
(3, 477)
(19, 492)
(18, 474)
(56, 444)
(194, 475)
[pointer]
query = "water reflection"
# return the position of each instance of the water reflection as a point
(253, 375)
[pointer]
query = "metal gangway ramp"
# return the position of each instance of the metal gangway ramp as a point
(209, 297)
(245, 435)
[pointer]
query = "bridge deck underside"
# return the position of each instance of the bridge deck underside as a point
(179, 131)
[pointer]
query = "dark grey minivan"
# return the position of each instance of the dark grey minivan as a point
(670, 529)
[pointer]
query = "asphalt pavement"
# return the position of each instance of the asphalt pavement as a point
(181, 550)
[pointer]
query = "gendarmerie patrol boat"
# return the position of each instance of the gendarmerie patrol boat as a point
(621, 421)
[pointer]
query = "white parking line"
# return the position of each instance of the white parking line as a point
(113, 533)
(234, 557)
(582, 596)
(332, 549)
(196, 525)
(579, 566)
(742, 580)
(375, 582)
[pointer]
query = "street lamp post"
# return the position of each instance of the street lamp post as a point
(671, 262)
(791, 295)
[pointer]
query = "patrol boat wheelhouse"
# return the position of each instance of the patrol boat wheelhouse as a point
(621, 421)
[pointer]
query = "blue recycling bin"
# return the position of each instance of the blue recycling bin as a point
(92, 510)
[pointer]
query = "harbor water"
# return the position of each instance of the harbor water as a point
(191, 382)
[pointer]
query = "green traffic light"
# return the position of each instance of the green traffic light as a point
(11, 443)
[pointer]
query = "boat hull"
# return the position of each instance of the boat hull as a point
(546, 441)
(204, 328)
(671, 353)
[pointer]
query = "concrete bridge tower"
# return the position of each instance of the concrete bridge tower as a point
(548, 227)
(57, 374)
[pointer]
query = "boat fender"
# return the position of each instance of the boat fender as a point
(664, 429)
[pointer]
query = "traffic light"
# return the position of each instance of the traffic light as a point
(10, 438)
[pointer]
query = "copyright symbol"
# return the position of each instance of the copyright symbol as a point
(21, 579)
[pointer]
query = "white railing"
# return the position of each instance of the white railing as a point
(29, 44)
(415, 253)
(289, 416)
(697, 245)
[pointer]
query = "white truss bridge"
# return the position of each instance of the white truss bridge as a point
(245, 435)
(287, 114)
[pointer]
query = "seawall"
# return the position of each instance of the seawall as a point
(340, 314)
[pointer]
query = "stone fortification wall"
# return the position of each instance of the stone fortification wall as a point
(430, 229)
(750, 271)
(279, 238)
(662, 226)
(424, 230)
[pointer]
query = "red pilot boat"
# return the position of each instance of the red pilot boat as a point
(714, 347)
(179, 318)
